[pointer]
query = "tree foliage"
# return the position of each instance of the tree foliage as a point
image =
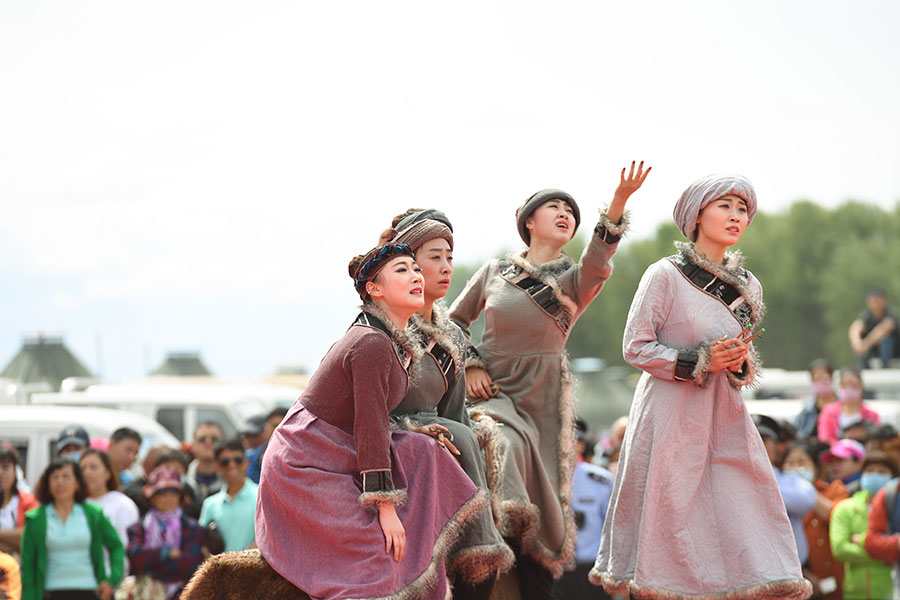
(815, 265)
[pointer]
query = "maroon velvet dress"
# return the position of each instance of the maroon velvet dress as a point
(334, 457)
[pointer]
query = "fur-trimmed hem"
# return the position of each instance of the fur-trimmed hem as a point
(548, 273)
(487, 433)
(395, 497)
(732, 271)
(443, 331)
(792, 589)
(444, 544)
(519, 517)
(404, 340)
(701, 371)
(474, 565)
(619, 228)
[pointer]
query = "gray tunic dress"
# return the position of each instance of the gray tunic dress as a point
(437, 395)
(695, 510)
(529, 311)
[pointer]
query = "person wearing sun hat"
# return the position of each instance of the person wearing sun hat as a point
(519, 375)
(165, 544)
(690, 329)
(342, 498)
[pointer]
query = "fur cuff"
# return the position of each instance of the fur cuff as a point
(611, 232)
(395, 497)
(403, 423)
(473, 359)
(747, 376)
(693, 365)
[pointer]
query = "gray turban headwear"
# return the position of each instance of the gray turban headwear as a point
(535, 201)
(706, 190)
(422, 226)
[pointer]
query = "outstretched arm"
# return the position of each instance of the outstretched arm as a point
(627, 186)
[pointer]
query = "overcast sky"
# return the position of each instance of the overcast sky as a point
(196, 175)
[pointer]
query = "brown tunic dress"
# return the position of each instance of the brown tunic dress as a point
(334, 458)
(529, 311)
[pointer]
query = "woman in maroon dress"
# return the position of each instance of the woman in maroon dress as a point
(346, 507)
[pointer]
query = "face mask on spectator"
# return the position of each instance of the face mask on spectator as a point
(872, 482)
(851, 394)
(807, 473)
(822, 388)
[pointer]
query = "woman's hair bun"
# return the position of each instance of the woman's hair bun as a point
(386, 235)
(353, 265)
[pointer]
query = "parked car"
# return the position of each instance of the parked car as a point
(33, 430)
(179, 407)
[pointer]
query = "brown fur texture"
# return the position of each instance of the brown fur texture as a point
(246, 575)
(487, 432)
(520, 518)
(239, 576)
(474, 565)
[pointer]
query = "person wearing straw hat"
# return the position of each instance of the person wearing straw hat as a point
(696, 510)
(519, 374)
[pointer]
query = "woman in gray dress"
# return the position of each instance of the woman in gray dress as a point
(519, 374)
(436, 405)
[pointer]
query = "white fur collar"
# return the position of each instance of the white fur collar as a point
(730, 270)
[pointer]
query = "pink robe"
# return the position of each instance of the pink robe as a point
(696, 510)
(314, 524)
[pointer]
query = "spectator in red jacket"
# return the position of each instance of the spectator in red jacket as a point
(883, 536)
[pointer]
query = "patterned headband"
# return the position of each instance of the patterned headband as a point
(373, 262)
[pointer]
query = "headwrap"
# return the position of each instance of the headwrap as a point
(373, 261)
(429, 213)
(532, 204)
(420, 232)
(706, 190)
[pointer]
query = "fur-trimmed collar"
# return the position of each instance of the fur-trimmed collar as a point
(441, 330)
(548, 273)
(731, 270)
(401, 339)
(552, 268)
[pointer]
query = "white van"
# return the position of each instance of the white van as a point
(180, 407)
(33, 430)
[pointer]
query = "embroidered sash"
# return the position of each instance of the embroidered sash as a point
(370, 321)
(718, 288)
(540, 292)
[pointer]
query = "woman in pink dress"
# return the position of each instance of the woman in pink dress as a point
(347, 508)
(696, 511)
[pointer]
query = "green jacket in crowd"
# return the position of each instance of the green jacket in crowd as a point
(864, 577)
(34, 550)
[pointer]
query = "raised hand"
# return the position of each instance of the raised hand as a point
(627, 186)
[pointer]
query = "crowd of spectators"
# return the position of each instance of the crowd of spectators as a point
(97, 524)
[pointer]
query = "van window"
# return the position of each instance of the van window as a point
(216, 416)
(173, 420)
